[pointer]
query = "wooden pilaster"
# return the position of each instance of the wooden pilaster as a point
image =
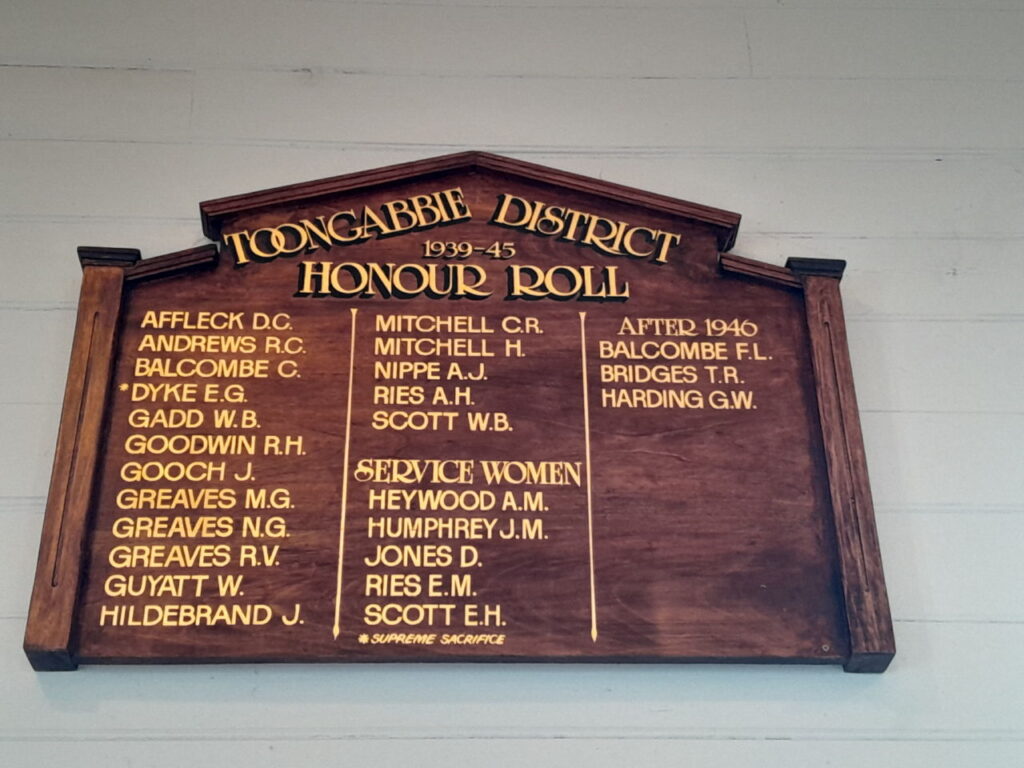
(872, 645)
(49, 637)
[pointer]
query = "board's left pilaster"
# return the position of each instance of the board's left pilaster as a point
(49, 634)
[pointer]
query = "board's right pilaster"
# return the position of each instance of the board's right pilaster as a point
(872, 645)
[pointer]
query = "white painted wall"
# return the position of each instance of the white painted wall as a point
(885, 132)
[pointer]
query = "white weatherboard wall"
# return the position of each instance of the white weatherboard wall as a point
(886, 133)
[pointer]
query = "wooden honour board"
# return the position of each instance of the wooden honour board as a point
(462, 409)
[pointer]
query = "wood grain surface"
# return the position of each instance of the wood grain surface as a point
(699, 530)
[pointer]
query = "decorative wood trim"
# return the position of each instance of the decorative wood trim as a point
(769, 273)
(49, 640)
(872, 644)
(817, 267)
(201, 257)
(214, 211)
(101, 256)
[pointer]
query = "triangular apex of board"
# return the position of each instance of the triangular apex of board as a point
(725, 224)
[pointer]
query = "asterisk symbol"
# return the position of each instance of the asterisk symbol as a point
(364, 639)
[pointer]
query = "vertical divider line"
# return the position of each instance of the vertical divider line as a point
(590, 501)
(344, 477)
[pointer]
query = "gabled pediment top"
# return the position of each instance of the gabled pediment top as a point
(214, 212)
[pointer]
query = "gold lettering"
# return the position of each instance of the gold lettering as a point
(613, 238)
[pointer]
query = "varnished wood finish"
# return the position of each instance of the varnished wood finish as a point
(100, 256)
(49, 634)
(709, 534)
(730, 262)
(872, 645)
(816, 267)
(201, 257)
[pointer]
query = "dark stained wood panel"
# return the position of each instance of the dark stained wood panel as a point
(555, 423)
